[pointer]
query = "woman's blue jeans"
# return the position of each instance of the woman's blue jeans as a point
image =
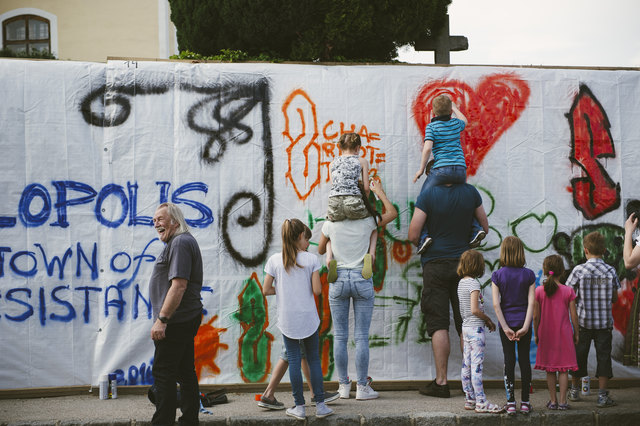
(350, 286)
(313, 358)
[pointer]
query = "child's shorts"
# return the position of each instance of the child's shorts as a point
(602, 342)
(343, 207)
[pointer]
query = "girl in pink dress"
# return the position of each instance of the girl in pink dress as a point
(554, 333)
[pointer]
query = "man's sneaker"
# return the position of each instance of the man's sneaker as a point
(574, 394)
(434, 389)
(605, 401)
(344, 389)
(328, 397)
(270, 403)
(424, 245)
(365, 392)
(297, 411)
(475, 242)
(323, 411)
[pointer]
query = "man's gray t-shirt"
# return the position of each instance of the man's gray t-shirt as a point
(180, 258)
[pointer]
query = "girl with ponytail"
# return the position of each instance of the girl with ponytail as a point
(293, 276)
(555, 322)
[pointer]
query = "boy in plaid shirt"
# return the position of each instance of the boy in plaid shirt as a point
(596, 286)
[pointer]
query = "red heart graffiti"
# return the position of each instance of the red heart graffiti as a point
(491, 109)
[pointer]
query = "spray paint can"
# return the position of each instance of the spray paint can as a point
(113, 386)
(103, 385)
(586, 385)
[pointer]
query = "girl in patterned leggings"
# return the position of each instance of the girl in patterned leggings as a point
(474, 320)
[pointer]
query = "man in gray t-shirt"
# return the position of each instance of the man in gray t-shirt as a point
(174, 291)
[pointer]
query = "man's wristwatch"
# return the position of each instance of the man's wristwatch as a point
(163, 320)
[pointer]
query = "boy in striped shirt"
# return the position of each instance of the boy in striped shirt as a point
(442, 136)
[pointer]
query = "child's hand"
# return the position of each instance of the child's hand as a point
(521, 333)
(509, 333)
(490, 325)
(575, 338)
(417, 176)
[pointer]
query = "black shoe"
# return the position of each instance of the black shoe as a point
(434, 389)
(271, 404)
(477, 239)
(328, 397)
(422, 247)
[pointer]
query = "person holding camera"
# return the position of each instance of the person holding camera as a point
(630, 253)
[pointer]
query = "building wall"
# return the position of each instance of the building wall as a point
(92, 30)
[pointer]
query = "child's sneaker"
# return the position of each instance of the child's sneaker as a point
(488, 407)
(477, 239)
(604, 400)
(365, 392)
(344, 389)
(323, 411)
(525, 407)
(511, 408)
(332, 275)
(367, 269)
(424, 245)
(574, 394)
(297, 411)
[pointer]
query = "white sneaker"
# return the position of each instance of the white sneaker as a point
(323, 411)
(365, 392)
(344, 389)
(297, 411)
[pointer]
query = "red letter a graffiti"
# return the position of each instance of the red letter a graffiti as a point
(594, 194)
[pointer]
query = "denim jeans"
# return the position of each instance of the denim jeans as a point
(311, 348)
(350, 286)
(440, 176)
(173, 362)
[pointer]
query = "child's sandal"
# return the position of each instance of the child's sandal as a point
(469, 404)
(511, 408)
(564, 406)
(488, 407)
(552, 405)
(525, 407)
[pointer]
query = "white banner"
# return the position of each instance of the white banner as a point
(90, 150)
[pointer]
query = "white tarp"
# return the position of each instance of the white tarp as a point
(89, 150)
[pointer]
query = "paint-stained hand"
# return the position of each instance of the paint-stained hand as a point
(158, 330)
(490, 325)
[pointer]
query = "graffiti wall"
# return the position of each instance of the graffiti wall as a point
(90, 150)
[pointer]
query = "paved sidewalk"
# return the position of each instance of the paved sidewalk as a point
(392, 408)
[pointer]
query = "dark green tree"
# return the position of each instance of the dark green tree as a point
(306, 30)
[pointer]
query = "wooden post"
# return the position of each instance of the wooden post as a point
(442, 44)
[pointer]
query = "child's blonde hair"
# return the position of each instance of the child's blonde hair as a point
(291, 230)
(471, 264)
(349, 141)
(594, 242)
(553, 269)
(512, 252)
(442, 105)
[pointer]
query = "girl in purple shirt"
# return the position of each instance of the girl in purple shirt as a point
(513, 291)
